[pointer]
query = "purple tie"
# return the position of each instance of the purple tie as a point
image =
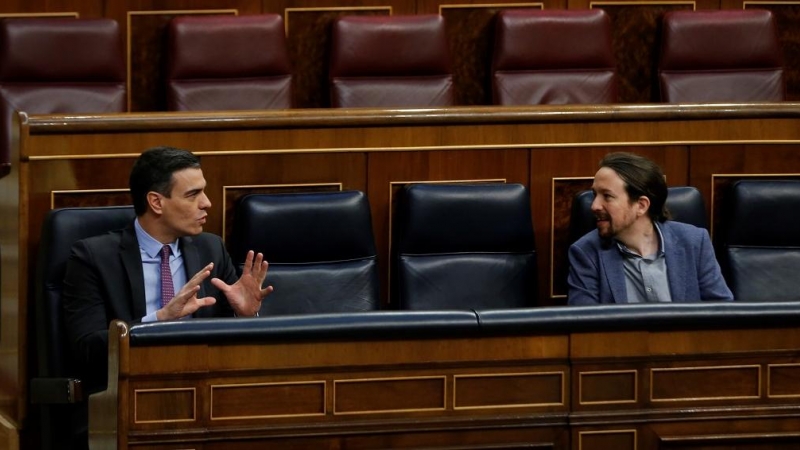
(167, 289)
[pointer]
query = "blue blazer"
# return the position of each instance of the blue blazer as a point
(596, 275)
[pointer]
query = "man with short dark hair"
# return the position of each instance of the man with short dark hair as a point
(637, 255)
(161, 267)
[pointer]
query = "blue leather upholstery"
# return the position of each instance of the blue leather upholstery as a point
(483, 322)
(63, 426)
(320, 249)
(685, 204)
(762, 243)
(463, 246)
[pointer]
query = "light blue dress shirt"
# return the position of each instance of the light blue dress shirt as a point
(149, 249)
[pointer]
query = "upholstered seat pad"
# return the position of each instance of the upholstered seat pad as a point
(721, 86)
(388, 92)
(35, 99)
(236, 94)
(764, 274)
(554, 88)
(479, 280)
(347, 286)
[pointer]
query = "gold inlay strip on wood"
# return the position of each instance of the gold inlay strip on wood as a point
(553, 182)
(705, 368)
(383, 411)
(608, 372)
(287, 11)
(431, 147)
(560, 374)
(136, 393)
(52, 15)
(271, 416)
(644, 3)
(490, 5)
(769, 381)
(581, 434)
(54, 193)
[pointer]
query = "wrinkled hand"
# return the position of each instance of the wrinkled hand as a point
(186, 302)
(246, 294)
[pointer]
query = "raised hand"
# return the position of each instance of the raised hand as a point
(245, 295)
(185, 301)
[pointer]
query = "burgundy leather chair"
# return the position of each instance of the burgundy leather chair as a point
(58, 66)
(553, 57)
(390, 61)
(720, 56)
(228, 63)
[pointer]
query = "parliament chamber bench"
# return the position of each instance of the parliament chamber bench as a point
(705, 375)
(84, 160)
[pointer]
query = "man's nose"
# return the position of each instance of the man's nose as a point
(205, 203)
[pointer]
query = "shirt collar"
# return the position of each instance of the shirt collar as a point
(149, 244)
(626, 251)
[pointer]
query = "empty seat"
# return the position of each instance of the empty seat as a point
(228, 63)
(762, 243)
(57, 387)
(390, 61)
(463, 246)
(320, 248)
(720, 56)
(52, 66)
(685, 204)
(553, 57)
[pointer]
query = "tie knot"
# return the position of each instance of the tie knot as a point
(166, 250)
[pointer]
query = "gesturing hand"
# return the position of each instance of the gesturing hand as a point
(246, 294)
(185, 301)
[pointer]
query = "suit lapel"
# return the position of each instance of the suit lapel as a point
(675, 255)
(132, 261)
(615, 276)
(191, 261)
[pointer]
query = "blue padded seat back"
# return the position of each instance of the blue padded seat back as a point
(320, 248)
(464, 246)
(762, 243)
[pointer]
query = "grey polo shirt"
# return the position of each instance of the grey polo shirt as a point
(646, 276)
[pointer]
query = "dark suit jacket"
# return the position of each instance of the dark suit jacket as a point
(104, 281)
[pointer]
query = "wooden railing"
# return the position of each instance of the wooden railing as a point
(622, 377)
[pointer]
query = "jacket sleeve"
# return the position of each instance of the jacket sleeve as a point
(85, 317)
(583, 278)
(709, 276)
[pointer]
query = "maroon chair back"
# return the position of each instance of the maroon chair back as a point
(50, 66)
(390, 61)
(553, 57)
(720, 56)
(228, 63)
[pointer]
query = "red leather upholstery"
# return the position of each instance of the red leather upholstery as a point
(396, 61)
(58, 66)
(553, 57)
(720, 56)
(228, 63)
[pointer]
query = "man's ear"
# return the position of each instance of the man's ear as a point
(643, 204)
(155, 202)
